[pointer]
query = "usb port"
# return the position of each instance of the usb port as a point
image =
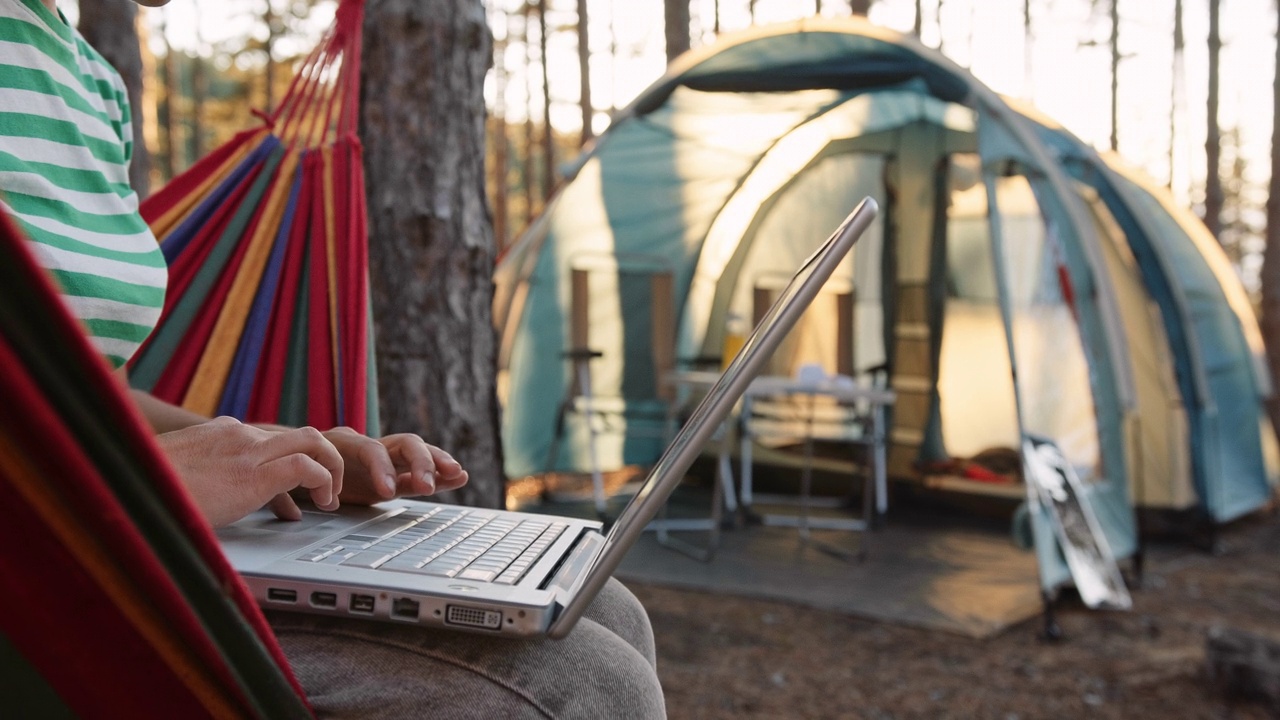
(404, 608)
(324, 599)
(282, 595)
(362, 604)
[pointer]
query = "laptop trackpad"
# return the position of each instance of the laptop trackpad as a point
(261, 538)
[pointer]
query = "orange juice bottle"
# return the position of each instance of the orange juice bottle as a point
(735, 334)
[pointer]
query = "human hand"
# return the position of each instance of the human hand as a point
(232, 469)
(402, 464)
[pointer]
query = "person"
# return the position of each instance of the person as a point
(65, 146)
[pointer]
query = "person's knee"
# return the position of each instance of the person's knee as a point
(615, 679)
(618, 610)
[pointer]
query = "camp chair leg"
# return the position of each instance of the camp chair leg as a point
(805, 524)
(721, 496)
(1052, 631)
(582, 373)
(597, 479)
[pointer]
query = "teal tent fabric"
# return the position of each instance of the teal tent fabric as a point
(723, 168)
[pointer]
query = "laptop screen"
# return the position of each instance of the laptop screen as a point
(720, 399)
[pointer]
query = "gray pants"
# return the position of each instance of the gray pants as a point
(605, 668)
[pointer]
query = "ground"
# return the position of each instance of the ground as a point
(728, 657)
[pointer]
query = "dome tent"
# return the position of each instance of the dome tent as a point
(997, 286)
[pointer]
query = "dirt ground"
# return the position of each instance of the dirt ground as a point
(730, 657)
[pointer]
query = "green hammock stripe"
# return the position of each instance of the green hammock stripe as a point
(293, 396)
(26, 694)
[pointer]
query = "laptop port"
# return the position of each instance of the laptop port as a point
(281, 595)
(404, 608)
(362, 604)
(473, 617)
(324, 599)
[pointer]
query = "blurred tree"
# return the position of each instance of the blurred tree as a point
(1028, 43)
(1113, 47)
(199, 90)
(431, 241)
(584, 74)
(164, 107)
(1243, 202)
(110, 26)
(497, 132)
(676, 23)
(1175, 86)
(548, 141)
(1270, 274)
(862, 7)
(1213, 136)
(530, 139)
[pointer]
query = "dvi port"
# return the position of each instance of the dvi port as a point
(473, 617)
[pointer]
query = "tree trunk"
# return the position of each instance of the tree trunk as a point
(110, 26)
(1270, 273)
(861, 8)
(431, 243)
(272, 22)
(676, 21)
(199, 91)
(530, 138)
(918, 24)
(548, 132)
(1213, 136)
(1115, 75)
(169, 108)
(1175, 87)
(501, 163)
(1028, 79)
(584, 73)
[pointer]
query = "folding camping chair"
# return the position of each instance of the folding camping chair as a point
(638, 398)
(117, 599)
(813, 409)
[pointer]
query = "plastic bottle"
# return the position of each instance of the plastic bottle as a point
(735, 334)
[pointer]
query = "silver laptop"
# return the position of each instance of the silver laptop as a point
(518, 574)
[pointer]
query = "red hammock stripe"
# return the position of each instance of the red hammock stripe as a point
(97, 588)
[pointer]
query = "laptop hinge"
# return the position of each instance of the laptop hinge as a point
(573, 571)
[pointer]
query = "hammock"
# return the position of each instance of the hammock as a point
(267, 317)
(117, 601)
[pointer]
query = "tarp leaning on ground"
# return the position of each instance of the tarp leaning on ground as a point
(267, 314)
(1005, 285)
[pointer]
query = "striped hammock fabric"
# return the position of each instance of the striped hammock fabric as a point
(267, 317)
(117, 601)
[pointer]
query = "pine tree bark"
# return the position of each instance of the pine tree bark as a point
(1213, 196)
(1270, 273)
(431, 241)
(676, 23)
(110, 27)
(1175, 87)
(1115, 75)
(584, 74)
(548, 132)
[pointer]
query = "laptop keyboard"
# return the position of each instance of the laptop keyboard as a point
(446, 541)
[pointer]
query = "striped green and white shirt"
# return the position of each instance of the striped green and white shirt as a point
(65, 145)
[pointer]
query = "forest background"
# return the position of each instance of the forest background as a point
(1183, 89)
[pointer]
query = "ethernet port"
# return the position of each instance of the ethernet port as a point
(404, 608)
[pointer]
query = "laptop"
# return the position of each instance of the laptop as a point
(519, 574)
